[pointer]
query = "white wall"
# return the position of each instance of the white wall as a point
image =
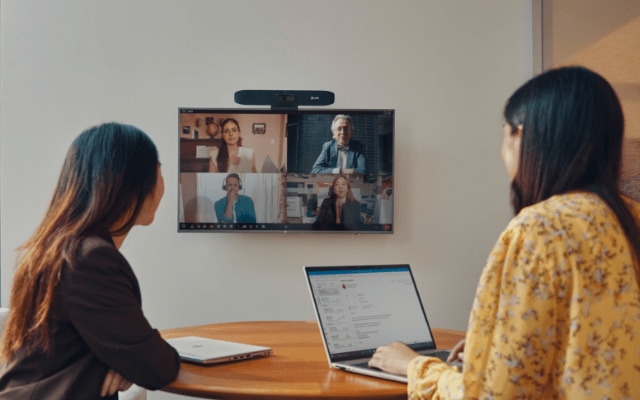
(445, 66)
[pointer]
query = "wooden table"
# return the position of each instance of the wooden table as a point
(297, 369)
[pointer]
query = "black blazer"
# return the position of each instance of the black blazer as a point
(350, 218)
(97, 324)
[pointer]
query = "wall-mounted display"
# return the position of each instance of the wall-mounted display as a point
(328, 170)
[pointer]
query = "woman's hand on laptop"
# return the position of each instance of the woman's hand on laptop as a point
(457, 352)
(393, 358)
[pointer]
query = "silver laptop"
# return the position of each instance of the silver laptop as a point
(360, 308)
(202, 350)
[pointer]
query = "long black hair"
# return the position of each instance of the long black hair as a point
(572, 133)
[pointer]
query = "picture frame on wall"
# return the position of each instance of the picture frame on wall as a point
(259, 128)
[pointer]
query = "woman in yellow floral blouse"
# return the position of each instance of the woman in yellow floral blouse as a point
(557, 309)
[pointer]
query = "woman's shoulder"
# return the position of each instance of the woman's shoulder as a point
(566, 205)
(98, 251)
(327, 200)
(563, 212)
(245, 151)
(94, 242)
(96, 262)
(554, 223)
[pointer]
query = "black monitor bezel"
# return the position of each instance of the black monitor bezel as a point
(190, 227)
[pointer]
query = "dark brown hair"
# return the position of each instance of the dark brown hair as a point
(107, 175)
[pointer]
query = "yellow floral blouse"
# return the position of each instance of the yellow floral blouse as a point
(556, 313)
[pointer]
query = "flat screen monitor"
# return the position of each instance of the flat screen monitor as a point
(271, 170)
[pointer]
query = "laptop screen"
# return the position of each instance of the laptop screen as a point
(360, 308)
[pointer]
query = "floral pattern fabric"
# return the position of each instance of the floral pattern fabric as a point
(556, 313)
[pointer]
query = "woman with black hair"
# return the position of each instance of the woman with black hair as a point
(557, 309)
(76, 329)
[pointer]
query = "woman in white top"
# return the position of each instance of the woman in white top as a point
(232, 157)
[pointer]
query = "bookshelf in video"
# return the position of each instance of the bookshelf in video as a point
(263, 170)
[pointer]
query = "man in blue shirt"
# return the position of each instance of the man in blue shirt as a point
(341, 155)
(235, 207)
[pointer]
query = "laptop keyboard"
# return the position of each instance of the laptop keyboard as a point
(441, 354)
(363, 365)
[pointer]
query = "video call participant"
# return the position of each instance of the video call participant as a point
(341, 155)
(75, 328)
(340, 208)
(557, 306)
(235, 207)
(232, 157)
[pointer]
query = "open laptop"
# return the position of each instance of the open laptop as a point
(360, 308)
(202, 350)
